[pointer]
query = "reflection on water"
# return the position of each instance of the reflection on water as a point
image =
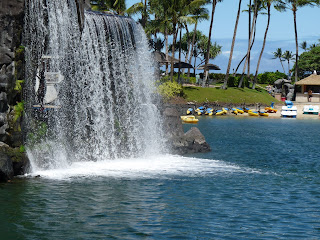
(274, 195)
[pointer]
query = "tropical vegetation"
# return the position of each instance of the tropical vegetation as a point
(178, 20)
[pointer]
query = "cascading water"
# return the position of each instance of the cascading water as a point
(104, 106)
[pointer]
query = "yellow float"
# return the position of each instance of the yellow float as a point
(240, 110)
(252, 113)
(271, 109)
(264, 114)
(189, 119)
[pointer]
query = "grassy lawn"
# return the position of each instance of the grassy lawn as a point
(231, 95)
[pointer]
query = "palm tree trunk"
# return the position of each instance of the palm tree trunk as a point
(214, 3)
(254, 38)
(179, 55)
(192, 45)
(248, 73)
(175, 32)
(263, 46)
(284, 71)
(232, 46)
(297, 46)
(167, 50)
(189, 45)
(250, 39)
(194, 66)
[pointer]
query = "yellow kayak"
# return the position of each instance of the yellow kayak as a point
(225, 110)
(234, 111)
(263, 114)
(240, 110)
(189, 119)
(252, 113)
(270, 109)
(220, 112)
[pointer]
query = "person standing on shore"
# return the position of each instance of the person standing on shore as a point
(309, 95)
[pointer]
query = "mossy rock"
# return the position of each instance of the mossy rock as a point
(16, 157)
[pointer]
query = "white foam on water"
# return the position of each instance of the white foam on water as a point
(158, 166)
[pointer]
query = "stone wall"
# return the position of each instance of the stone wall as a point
(13, 160)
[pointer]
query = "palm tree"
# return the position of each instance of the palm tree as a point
(232, 46)
(177, 10)
(293, 5)
(313, 45)
(141, 8)
(304, 45)
(268, 5)
(162, 22)
(214, 3)
(287, 55)
(116, 6)
(200, 47)
(260, 7)
(278, 54)
(249, 33)
(257, 4)
(199, 14)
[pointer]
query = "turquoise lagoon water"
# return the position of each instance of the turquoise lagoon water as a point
(261, 181)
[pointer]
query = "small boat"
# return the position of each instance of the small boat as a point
(245, 109)
(309, 109)
(289, 111)
(240, 110)
(264, 114)
(253, 113)
(209, 111)
(225, 110)
(220, 112)
(271, 109)
(190, 111)
(189, 119)
(234, 111)
(200, 110)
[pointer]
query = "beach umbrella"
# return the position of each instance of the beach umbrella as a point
(182, 65)
(210, 66)
(160, 57)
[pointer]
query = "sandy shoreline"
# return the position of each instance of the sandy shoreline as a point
(299, 106)
(300, 114)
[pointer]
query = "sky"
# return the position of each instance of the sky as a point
(280, 34)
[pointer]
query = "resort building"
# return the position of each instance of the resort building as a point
(309, 83)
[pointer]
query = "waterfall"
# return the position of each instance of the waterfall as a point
(103, 104)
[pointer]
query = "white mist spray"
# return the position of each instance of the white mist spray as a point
(105, 109)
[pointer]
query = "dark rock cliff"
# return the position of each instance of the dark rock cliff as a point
(179, 142)
(13, 160)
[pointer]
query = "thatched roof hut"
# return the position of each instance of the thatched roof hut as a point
(312, 83)
(312, 80)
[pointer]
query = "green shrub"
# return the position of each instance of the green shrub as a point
(270, 77)
(218, 77)
(169, 90)
(18, 86)
(191, 80)
(18, 110)
(233, 81)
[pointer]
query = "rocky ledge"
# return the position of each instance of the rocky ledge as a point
(179, 142)
(12, 162)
